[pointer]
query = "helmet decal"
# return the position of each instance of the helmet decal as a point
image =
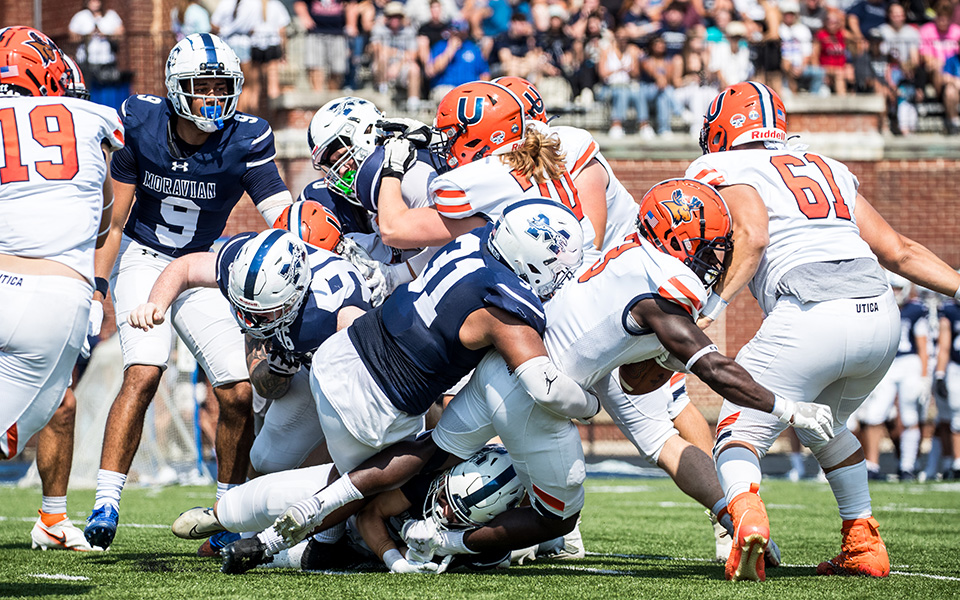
(475, 116)
(681, 207)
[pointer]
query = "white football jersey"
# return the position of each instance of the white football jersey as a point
(810, 202)
(580, 147)
(486, 186)
(51, 197)
(590, 330)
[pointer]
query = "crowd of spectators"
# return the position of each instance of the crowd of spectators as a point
(655, 63)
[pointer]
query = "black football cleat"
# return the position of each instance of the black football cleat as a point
(243, 555)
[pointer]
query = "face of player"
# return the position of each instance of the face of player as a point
(208, 93)
(342, 169)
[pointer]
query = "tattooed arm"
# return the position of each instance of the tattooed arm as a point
(267, 381)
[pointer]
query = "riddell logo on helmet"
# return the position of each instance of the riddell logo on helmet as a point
(768, 134)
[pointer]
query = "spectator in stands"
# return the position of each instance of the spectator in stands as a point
(455, 60)
(267, 41)
(638, 20)
(496, 17)
(951, 93)
(901, 39)
(393, 45)
(813, 14)
(586, 57)
(763, 35)
(557, 46)
(865, 16)
(796, 52)
(619, 69)
(656, 87)
(673, 29)
(577, 27)
(98, 33)
(719, 19)
(830, 52)
(419, 12)
(731, 59)
(695, 83)
(233, 20)
(189, 17)
(515, 52)
(328, 23)
(938, 42)
(870, 66)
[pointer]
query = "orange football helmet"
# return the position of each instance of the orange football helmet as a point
(528, 94)
(30, 63)
(688, 220)
(313, 223)
(475, 120)
(744, 112)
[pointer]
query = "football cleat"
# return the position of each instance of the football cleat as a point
(862, 551)
(196, 524)
(215, 544)
(722, 539)
(572, 548)
(243, 555)
(750, 537)
(771, 556)
(299, 521)
(61, 535)
(102, 526)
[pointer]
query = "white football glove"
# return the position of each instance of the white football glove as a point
(418, 132)
(374, 274)
(94, 323)
(281, 363)
(421, 537)
(398, 564)
(399, 155)
(817, 418)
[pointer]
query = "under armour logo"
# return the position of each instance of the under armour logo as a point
(179, 166)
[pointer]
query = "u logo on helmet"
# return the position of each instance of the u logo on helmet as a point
(713, 111)
(475, 116)
(681, 207)
(536, 102)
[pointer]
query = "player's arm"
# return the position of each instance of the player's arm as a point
(523, 350)
(106, 215)
(372, 523)
(679, 335)
(107, 251)
(404, 228)
(268, 382)
(750, 238)
(591, 184)
(944, 343)
(902, 255)
(193, 270)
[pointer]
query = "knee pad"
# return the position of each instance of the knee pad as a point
(832, 453)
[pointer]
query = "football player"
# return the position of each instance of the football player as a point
(288, 297)
(189, 159)
(483, 290)
(947, 385)
(906, 384)
(57, 151)
(810, 247)
(464, 496)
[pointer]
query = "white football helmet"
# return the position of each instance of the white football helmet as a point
(346, 122)
(541, 240)
(268, 282)
(203, 56)
(476, 490)
(73, 84)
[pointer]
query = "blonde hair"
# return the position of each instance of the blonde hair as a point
(539, 158)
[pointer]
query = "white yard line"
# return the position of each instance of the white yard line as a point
(59, 576)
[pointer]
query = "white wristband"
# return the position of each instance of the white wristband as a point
(783, 409)
(700, 354)
(713, 307)
(391, 557)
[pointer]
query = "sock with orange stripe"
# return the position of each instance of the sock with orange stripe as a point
(54, 507)
(737, 469)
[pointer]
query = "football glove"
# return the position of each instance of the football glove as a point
(417, 132)
(421, 537)
(281, 363)
(398, 564)
(94, 322)
(818, 418)
(372, 270)
(398, 156)
(940, 385)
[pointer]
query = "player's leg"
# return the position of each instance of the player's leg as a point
(145, 355)
(911, 404)
(951, 419)
(290, 430)
(687, 419)
(872, 415)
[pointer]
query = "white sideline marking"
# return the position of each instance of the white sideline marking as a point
(59, 576)
(914, 509)
(707, 560)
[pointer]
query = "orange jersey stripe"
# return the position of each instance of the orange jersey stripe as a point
(444, 209)
(727, 422)
(676, 378)
(586, 156)
(554, 503)
(451, 193)
(11, 436)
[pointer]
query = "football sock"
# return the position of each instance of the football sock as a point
(331, 535)
(724, 518)
(796, 463)
(53, 505)
(223, 487)
(272, 540)
(933, 459)
(339, 493)
(909, 447)
(849, 485)
(109, 486)
(956, 464)
(737, 468)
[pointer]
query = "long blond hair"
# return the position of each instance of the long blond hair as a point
(539, 158)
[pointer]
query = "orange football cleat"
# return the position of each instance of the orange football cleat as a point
(750, 537)
(862, 551)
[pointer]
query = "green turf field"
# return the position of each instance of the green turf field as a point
(644, 538)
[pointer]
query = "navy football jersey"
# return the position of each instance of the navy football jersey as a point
(414, 186)
(411, 343)
(913, 322)
(951, 312)
(336, 283)
(182, 202)
(353, 219)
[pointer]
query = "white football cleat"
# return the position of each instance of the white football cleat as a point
(295, 524)
(62, 535)
(196, 524)
(722, 538)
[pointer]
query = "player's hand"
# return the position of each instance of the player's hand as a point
(372, 270)
(399, 156)
(818, 418)
(418, 132)
(421, 537)
(94, 323)
(940, 385)
(281, 363)
(146, 316)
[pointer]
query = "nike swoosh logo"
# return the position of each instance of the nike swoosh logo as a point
(61, 539)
